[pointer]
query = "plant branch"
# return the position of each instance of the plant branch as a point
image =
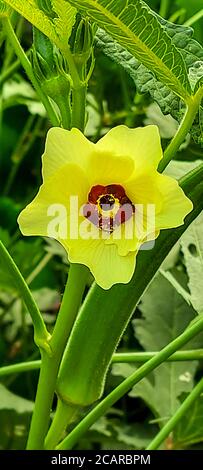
(142, 357)
(131, 357)
(173, 421)
(19, 368)
(185, 126)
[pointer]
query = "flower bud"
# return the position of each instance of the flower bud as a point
(81, 43)
(48, 66)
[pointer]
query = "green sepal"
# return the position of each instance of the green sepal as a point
(105, 314)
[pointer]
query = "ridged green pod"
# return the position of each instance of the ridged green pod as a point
(102, 321)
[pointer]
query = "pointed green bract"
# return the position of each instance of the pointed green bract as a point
(133, 25)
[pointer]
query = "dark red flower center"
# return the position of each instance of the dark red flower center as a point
(108, 207)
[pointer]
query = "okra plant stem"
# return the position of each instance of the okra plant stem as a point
(185, 126)
(132, 357)
(50, 364)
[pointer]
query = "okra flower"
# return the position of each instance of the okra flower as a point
(104, 201)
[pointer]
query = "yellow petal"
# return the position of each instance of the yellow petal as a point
(56, 191)
(125, 238)
(143, 189)
(175, 205)
(107, 267)
(64, 147)
(142, 144)
(107, 168)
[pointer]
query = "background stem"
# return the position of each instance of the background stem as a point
(194, 18)
(164, 8)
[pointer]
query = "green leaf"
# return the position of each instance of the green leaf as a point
(196, 75)
(146, 82)
(134, 26)
(58, 29)
(144, 79)
(192, 247)
(135, 436)
(10, 401)
(14, 429)
(161, 323)
(190, 429)
(64, 22)
(19, 91)
(177, 169)
(181, 38)
(15, 413)
(167, 125)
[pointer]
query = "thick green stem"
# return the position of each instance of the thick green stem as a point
(79, 93)
(41, 334)
(28, 69)
(69, 308)
(64, 415)
(65, 110)
(184, 128)
(128, 383)
(173, 421)
(78, 108)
